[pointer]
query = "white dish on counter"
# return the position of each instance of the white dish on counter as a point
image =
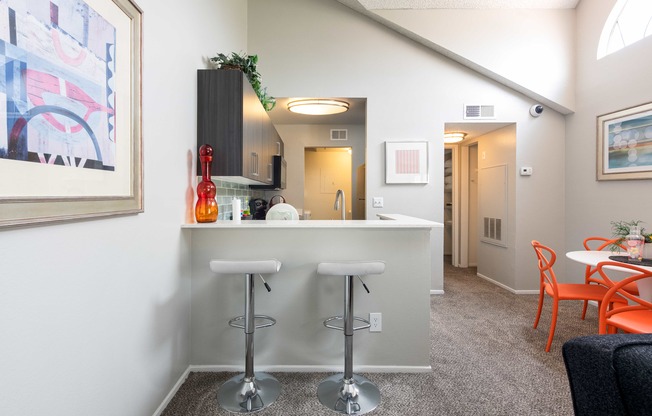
(282, 212)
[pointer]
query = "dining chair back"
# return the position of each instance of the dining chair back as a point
(548, 285)
(636, 315)
(590, 272)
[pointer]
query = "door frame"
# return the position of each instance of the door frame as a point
(455, 249)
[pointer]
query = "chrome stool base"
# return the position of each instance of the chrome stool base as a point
(238, 395)
(355, 396)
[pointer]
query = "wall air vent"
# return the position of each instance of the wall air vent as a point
(493, 229)
(478, 112)
(339, 134)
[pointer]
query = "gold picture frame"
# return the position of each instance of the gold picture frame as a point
(624, 144)
(73, 148)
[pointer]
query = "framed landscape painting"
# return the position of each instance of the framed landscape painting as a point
(70, 110)
(625, 144)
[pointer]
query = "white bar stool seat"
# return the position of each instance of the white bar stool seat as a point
(349, 393)
(351, 268)
(250, 391)
(245, 266)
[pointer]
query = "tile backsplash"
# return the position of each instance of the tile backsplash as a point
(226, 191)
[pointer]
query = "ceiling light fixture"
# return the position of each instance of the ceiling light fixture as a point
(454, 137)
(318, 106)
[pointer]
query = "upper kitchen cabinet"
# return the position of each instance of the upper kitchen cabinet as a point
(231, 118)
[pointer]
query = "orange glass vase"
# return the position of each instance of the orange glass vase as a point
(206, 207)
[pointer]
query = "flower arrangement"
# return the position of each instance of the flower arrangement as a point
(621, 229)
(247, 64)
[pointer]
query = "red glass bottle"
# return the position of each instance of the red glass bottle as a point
(206, 207)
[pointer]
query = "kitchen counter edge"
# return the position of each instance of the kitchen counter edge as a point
(385, 221)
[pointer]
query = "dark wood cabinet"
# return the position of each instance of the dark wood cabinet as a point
(232, 120)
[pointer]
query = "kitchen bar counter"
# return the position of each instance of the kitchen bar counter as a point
(300, 299)
(385, 221)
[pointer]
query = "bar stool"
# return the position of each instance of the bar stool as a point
(248, 392)
(349, 393)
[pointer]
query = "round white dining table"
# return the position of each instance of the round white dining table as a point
(592, 258)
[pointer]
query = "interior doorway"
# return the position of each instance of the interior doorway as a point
(450, 250)
(472, 207)
(327, 170)
(465, 209)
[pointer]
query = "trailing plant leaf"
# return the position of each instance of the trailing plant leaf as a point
(248, 65)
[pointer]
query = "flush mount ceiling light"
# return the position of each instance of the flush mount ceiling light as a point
(454, 137)
(318, 106)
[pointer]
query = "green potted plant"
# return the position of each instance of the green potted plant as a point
(621, 229)
(247, 64)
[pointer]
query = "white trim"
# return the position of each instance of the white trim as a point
(526, 292)
(284, 368)
(172, 392)
(509, 289)
(455, 199)
(437, 292)
(312, 368)
(463, 205)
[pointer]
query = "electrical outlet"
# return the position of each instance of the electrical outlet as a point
(376, 321)
(378, 202)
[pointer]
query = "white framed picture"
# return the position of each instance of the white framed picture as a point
(406, 162)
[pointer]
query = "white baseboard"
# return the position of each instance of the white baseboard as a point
(507, 288)
(437, 292)
(312, 368)
(285, 369)
(172, 392)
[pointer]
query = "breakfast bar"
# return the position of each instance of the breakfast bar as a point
(300, 299)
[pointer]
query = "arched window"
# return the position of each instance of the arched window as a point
(629, 22)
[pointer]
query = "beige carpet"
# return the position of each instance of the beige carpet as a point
(485, 356)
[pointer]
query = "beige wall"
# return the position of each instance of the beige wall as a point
(616, 82)
(95, 315)
(539, 61)
(405, 102)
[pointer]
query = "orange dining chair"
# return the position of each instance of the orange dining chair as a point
(562, 291)
(636, 316)
(590, 275)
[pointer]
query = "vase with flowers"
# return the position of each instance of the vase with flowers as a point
(621, 229)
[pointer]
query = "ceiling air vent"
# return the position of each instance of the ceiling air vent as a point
(339, 134)
(479, 112)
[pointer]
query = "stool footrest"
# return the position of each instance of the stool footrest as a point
(265, 321)
(327, 323)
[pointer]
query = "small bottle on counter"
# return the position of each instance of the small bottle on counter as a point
(634, 242)
(235, 209)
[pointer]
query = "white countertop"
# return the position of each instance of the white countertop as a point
(385, 221)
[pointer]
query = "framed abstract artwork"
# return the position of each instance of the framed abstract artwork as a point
(406, 162)
(70, 110)
(625, 144)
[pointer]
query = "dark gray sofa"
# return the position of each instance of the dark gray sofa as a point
(610, 374)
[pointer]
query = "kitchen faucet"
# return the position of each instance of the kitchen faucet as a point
(338, 195)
